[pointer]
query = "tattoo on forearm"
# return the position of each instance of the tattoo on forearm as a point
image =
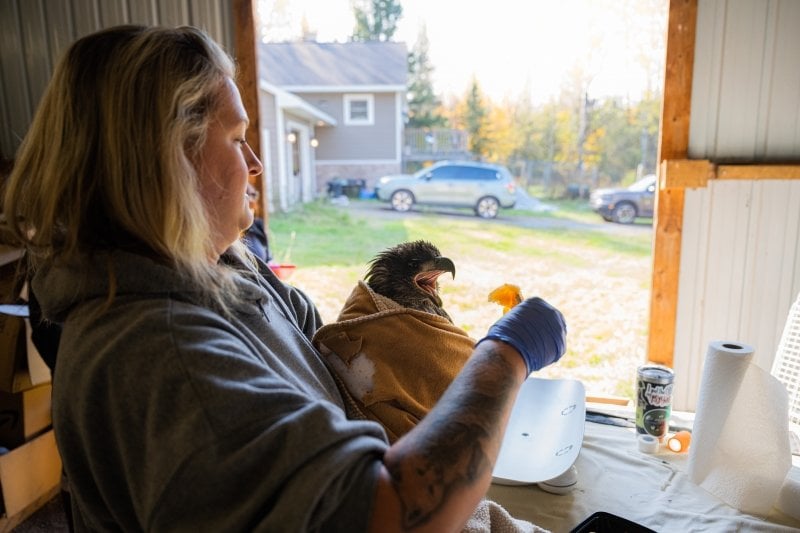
(451, 453)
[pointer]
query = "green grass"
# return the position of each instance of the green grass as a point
(596, 273)
(327, 235)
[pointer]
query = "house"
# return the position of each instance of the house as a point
(329, 110)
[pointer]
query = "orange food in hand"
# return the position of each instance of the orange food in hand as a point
(506, 295)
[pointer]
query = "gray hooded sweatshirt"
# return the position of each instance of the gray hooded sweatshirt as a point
(170, 416)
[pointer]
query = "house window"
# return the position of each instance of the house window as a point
(359, 109)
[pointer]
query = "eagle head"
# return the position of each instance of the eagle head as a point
(408, 273)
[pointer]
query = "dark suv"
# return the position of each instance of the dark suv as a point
(624, 205)
(482, 186)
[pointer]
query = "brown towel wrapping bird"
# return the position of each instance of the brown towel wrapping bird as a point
(396, 362)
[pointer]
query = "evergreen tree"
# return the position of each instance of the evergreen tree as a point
(376, 20)
(423, 104)
(475, 116)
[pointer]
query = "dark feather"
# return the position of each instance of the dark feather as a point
(408, 274)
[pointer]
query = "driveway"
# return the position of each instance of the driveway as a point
(382, 210)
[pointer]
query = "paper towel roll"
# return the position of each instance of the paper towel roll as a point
(789, 497)
(740, 446)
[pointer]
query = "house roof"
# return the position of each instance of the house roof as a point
(297, 105)
(327, 66)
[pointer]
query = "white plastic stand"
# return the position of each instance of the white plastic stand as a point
(544, 434)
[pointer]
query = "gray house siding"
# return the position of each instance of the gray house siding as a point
(357, 152)
(269, 147)
(33, 35)
(322, 74)
(347, 142)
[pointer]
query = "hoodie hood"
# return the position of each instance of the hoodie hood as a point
(60, 287)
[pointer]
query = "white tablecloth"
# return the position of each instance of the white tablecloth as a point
(652, 490)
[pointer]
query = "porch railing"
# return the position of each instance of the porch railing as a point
(435, 144)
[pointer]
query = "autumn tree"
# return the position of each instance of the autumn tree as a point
(376, 20)
(502, 136)
(423, 104)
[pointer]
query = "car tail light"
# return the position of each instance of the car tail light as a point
(511, 187)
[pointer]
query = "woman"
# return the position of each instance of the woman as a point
(187, 393)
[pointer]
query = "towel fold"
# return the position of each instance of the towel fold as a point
(395, 362)
(491, 517)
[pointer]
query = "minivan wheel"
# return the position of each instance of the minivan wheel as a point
(487, 207)
(624, 213)
(402, 200)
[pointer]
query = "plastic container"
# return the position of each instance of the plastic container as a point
(602, 522)
(283, 270)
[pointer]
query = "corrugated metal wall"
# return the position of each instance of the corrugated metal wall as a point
(746, 81)
(739, 272)
(34, 34)
(740, 250)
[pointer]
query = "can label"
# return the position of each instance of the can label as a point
(653, 400)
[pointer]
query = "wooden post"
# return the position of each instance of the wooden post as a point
(246, 50)
(673, 144)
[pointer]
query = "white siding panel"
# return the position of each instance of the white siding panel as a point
(740, 83)
(746, 81)
(705, 80)
(691, 297)
(740, 272)
(207, 15)
(143, 12)
(783, 112)
(173, 13)
(34, 44)
(85, 18)
(113, 13)
(34, 34)
(59, 27)
(16, 94)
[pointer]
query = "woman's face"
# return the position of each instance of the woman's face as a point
(223, 166)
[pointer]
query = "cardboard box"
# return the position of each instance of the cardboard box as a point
(29, 472)
(24, 414)
(21, 366)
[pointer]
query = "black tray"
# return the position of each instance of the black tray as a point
(602, 522)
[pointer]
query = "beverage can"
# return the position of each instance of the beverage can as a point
(653, 400)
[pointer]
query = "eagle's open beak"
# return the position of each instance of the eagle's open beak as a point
(445, 265)
(426, 280)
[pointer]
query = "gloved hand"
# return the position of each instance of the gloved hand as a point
(535, 329)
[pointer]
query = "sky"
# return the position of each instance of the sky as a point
(512, 47)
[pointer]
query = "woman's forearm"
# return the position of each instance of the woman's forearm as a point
(434, 477)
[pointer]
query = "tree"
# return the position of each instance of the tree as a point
(502, 138)
(475, 116)
(376, 20)
(277, 23)
(423, 104)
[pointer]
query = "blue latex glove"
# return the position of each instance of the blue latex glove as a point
(535, 329)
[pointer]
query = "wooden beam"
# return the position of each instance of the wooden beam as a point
(758, 172)
(696, 173)
(247, 66)
(685, 173)
(673, 144)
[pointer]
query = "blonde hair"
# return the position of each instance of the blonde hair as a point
(106, 163)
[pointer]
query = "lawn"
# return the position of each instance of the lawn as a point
(599, 279)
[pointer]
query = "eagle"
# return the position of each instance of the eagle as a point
(408, 273)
